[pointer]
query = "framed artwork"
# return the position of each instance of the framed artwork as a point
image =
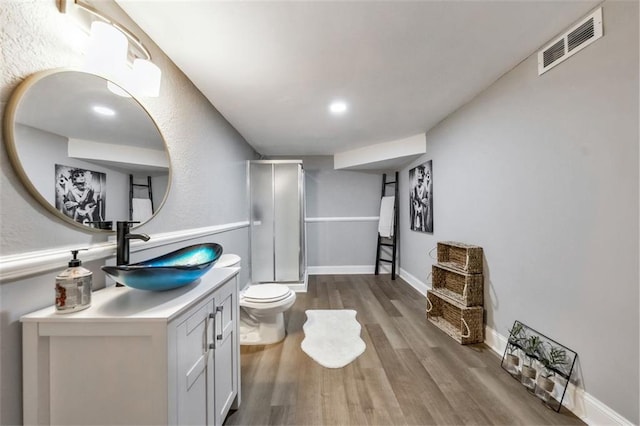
(421, 197)
(80, 194)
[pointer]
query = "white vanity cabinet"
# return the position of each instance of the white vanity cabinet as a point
(207, 359)
(136, 357)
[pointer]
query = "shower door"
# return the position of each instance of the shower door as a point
(277, 237)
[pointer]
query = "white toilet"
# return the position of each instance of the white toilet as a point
(228, 261)
(262, 308)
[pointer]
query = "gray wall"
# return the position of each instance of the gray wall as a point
(40, 151)
(159, 186)
(336, 193)
(208, 185)
(542, 171)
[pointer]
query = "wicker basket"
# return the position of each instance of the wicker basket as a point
(463, 324)
(460, 256)
(466, 289)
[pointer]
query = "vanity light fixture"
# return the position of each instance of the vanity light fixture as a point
(115, 53)
(338, 107)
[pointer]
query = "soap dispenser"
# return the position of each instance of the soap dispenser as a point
(73, 287)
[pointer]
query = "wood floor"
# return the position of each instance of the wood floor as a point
(410, 374)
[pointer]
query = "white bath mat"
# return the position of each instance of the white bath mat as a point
(332, 337)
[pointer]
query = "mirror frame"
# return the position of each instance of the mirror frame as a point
(11, 146)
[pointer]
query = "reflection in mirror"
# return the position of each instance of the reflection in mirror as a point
(90, 156)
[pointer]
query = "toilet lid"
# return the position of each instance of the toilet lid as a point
(227, 260)
(266, 293)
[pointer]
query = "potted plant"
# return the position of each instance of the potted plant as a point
(551, 362)
(515, 341)
(531, 347)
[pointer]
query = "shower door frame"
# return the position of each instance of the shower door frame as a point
(301, 220)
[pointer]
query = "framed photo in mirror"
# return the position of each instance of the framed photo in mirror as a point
(81, 194)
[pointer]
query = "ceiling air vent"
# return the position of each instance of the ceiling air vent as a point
(577, 38)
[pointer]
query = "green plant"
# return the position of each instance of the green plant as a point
(552, 361)
(516, 336)
(531, 346)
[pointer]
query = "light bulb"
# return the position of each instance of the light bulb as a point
(107, 51)
(338, 107)
(145, 78)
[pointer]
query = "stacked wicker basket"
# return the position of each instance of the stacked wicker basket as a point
(455, 302)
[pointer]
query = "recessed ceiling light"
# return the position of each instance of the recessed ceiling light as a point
(338, 107)
(103, 110)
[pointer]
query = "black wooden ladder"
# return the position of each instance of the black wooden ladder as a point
(133, 185)
(389, 242)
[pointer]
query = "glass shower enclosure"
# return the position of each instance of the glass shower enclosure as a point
(276, 192)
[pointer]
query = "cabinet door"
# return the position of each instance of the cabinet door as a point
(195, 368)
(226, 353)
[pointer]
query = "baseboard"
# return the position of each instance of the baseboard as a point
(300, 287)
(588, 408)
(496, 341)
(414, 282)
(341, 270)
(342, 219)
(36, 262)
(348, 269)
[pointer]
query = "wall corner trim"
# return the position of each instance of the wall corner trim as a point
(22, 265)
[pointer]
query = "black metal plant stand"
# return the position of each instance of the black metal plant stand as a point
(550, 359)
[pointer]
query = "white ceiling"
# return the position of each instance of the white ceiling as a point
(62, 102)
(271, 68)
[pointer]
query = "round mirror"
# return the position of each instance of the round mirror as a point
(86, 150)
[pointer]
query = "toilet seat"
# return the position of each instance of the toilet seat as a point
(266, 293)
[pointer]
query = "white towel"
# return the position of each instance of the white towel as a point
(385, 226)
(141, 209)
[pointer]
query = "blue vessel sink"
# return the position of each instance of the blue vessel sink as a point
(172, 270)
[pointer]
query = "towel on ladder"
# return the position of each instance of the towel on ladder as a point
(141, 209)
(385, 226)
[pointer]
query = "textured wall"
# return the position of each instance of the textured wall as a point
(208, 185)
(542, 171)
(205, 150)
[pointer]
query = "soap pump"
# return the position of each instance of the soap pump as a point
(73, 287)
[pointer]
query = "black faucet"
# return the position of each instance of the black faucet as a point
(123, 236)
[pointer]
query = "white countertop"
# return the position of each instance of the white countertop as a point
(115, 304)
